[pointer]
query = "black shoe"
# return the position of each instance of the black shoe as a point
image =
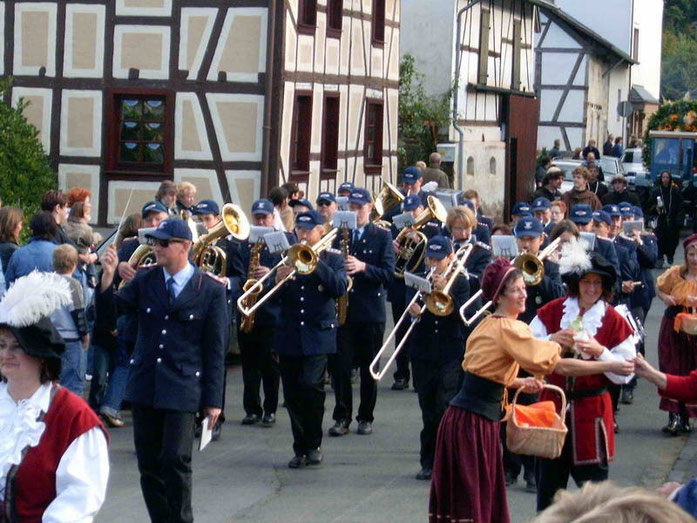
(314, 457)
(424, 473)
(510, 479)
(268, 419)
(250, 419)
(673, 424)
(530, 483)
(340, 428)
(217, 429)
(297, 462)
(364, 428)
(616, 426)
(400, 384)
(627, 396)
(684, 425)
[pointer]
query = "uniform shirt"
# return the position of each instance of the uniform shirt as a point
(499, 346)
(180, 279)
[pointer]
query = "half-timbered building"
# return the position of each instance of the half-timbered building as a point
(234, 96)
(484, 50)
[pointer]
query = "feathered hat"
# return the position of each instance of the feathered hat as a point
(575, 263)
(26, 308)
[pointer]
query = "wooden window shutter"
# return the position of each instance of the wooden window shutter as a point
(330, 134)
(483, 47)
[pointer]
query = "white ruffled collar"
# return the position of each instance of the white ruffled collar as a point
(20, 426)
(592, 318)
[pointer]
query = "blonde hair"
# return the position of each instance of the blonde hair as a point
(462, 213)
(64, 258)
(185, 188)
(600, 502)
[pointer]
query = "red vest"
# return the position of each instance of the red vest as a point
(591, 418)
(31, 487)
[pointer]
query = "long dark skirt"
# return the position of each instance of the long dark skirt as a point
(677, 354)
(468, 481)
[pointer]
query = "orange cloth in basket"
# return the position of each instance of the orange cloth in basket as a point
(540, 414)
(688, 318)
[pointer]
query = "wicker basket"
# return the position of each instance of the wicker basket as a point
(688, 322)
(543, 442)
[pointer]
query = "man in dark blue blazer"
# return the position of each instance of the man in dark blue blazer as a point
(371, 265)
(177, 365)
(305, 336)
(257, 350)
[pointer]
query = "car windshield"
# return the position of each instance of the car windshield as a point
(609, 165)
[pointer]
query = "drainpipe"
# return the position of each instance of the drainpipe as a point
(460, 131)
(266, 175)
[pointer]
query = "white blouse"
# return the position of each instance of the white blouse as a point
(592, 320)
(83, 470)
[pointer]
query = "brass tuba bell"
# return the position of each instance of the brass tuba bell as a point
(211, 258)
(388, 198)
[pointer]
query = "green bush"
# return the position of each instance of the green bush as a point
(25, 173)
(420, 116)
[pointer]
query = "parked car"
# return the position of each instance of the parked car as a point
(611, 166)
(633, 164)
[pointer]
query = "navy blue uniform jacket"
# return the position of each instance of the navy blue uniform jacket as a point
(179, 356)
(367, 297)
(441, 338)
(307, 324)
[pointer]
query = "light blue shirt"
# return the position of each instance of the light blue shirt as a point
(180, 279)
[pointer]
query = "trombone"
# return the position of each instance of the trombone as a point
(377, 373)
(388, 198)
(302, 257)
(533, 270)
(438, 303)
(531, 266)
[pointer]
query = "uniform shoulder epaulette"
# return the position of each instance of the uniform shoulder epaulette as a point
(482, 245)
(147, 266)
(331, 250)
(214, 277)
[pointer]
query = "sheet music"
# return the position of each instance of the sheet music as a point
(344, 220)
(417, 282)
(257, 232)
(276, 242)
(206, 434)
(504, 246)
(406, 219)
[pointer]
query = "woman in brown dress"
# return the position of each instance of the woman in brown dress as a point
(468, 478)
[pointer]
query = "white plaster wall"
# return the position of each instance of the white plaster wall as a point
(648, 18)
(427, 33)
(610, 19)
(618, 82)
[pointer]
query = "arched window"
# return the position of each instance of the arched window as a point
(492, 165)
(470, 165)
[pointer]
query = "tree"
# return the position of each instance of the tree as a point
(678, 69)
(420, 116)
(25, 173)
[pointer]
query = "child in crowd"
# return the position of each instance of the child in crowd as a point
(71, 323)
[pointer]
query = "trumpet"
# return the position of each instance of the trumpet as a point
(531, 266)
(440, 303)
(412, 249)
(302, 257)
(374, 370)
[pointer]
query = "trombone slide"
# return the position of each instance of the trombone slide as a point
(379, 374)
(469, 321)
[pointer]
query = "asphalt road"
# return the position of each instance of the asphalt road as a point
(244, 476)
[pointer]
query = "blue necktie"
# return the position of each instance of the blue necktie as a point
(170, 290)
(356, 237)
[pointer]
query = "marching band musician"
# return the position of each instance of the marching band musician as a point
(257, 351)
(585, 324)
(582, 215)
(459, 224)
(208, 212)
(177, 366)
(305, 334)
(530, 237)
(167, 195)
(436, 350)
(345, 189)
(472, 196)
(520, 210)
(480, 230)
(326, 206)
(184, 206)
(641, 298)
(371, 265)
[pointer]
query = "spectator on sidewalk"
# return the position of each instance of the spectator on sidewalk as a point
(433, 172)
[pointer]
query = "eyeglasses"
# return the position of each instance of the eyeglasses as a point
(152, 242)
(323, 203)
